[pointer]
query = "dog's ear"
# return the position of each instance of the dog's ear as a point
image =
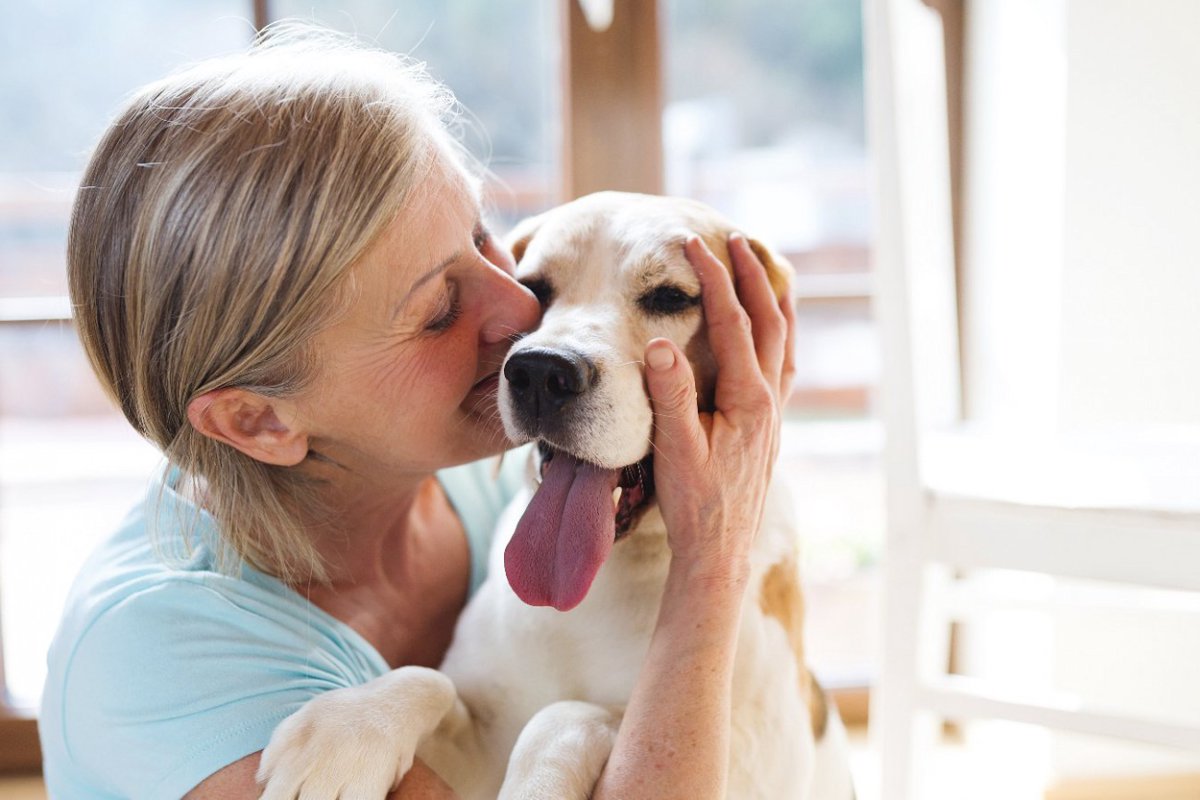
(520, 236)
(779, 269)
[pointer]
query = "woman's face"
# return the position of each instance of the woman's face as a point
(406, 378)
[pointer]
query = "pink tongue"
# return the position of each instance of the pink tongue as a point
(564, 536)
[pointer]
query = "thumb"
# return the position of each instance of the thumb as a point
(672, 388)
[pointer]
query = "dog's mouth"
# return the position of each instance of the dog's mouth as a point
(578, 512)
(635, 488)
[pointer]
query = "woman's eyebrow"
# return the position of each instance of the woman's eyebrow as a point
(421, 281)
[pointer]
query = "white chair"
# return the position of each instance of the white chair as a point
(1104, 505)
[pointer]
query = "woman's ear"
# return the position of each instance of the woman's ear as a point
(261, 427)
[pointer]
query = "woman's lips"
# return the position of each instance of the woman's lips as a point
(488, 384)
(481, 400)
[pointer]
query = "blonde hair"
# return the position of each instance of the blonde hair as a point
(210, 239)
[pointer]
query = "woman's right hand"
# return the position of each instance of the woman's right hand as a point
(711, 473)
(711, 470)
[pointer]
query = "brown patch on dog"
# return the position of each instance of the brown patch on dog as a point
(818, 707)
(782, 600)
(779, 269)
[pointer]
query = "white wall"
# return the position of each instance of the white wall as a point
(1082, 237)
(1131, 324)
(1082, 293)
(1131, 281)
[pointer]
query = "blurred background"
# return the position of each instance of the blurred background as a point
(758, 110)
(757, 107)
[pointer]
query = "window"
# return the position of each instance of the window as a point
(501, 61)
(762, 119)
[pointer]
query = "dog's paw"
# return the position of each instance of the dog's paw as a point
(561, 752)
(357, 742)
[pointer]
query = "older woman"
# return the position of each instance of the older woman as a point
(281, 273)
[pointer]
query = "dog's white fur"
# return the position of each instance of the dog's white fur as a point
(556, 680)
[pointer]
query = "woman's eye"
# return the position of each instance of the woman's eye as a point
(481, 237)
(448, 312)
(667, 300)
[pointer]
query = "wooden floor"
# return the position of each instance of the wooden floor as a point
(958, 768)
(27, 788)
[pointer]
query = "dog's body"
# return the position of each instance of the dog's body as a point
(557, 680)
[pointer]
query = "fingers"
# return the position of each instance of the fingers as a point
(746, 327)
(787, 374)
(729, 327)
(767, 321)
(678, 437)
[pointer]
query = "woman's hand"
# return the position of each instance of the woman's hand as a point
(711, 473)
(712, 470)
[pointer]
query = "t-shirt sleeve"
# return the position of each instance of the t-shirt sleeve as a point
(179, 680)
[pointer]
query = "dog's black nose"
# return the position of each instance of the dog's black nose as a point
(544, 381)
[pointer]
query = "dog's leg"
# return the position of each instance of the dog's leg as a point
(356, 742)
(561, 752)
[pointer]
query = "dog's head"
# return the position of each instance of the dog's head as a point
(611, 275)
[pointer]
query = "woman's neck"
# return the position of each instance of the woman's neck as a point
(369, 528)
(399, 567)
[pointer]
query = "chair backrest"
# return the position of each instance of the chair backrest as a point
(915, 297)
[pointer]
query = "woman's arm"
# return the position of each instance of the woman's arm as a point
(237, 782)
(711, 474)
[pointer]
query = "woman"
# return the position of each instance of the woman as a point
(281, 274)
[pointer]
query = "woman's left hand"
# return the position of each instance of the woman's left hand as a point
(712, 470)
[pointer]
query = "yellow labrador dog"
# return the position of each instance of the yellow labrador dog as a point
(546, 655)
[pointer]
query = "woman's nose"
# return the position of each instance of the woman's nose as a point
(512, 310)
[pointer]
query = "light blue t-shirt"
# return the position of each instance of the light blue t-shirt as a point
(163, 673)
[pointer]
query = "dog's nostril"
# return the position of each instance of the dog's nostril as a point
(563, 383)
(545, 380)
(519, 378)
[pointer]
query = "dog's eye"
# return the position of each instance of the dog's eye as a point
(541, 290)
(667, 300)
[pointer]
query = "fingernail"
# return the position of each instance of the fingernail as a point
(660, 358)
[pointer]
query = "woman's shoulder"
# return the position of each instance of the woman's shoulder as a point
(151, 688)
(161, 577)
(164, 665)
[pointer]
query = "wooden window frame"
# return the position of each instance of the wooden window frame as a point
(612, 101)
